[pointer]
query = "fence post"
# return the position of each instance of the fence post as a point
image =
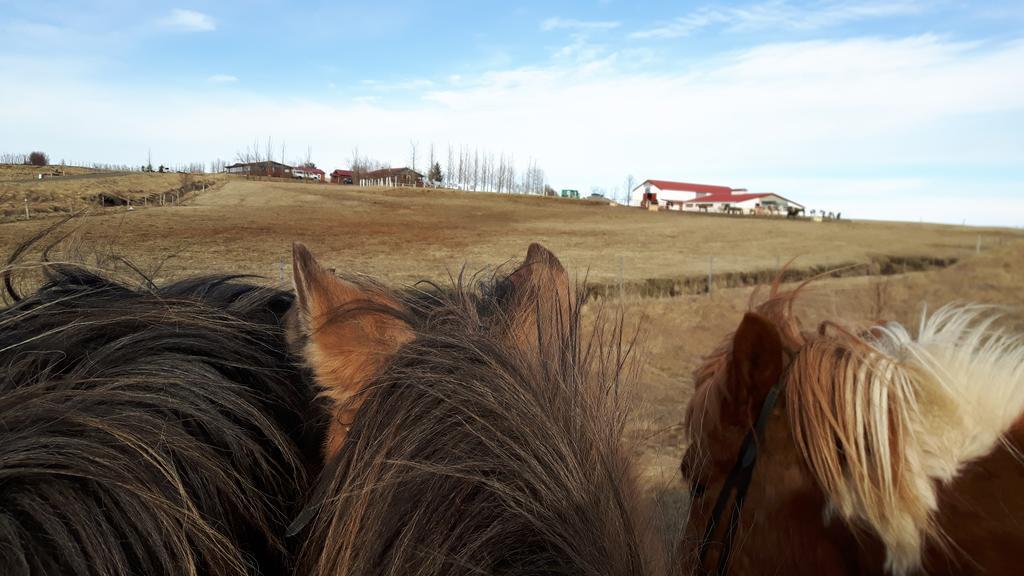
(711, 273)
(622, 266)
(27, 217)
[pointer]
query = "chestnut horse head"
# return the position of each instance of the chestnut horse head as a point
(474, 430)
(851, 440)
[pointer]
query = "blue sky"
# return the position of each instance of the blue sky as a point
(898, 110)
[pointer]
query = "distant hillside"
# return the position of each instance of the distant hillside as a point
(64, 189)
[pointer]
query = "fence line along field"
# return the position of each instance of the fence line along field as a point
(407, 234)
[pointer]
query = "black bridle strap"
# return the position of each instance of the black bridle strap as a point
(737, 483)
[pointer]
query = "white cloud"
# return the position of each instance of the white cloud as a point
(780, 14)
(222, 79)
(182, 20)
(557, 23)
(908, 128)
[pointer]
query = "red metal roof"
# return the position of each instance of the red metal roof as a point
(340, 172)
(687, 187)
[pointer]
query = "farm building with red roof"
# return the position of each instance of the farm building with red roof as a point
(709, 198)
(671, 195)
(340, 176)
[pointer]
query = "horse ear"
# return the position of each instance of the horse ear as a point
(757, 358)
(540, 301)
(348, 334)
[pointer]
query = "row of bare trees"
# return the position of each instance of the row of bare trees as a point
(34, 158)
(472, 168)
(266, 160)
(41, 159)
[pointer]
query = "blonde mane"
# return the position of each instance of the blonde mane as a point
(883, 419)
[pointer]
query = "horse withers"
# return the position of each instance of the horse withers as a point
(857, 450)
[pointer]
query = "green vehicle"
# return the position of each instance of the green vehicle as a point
(575, 194)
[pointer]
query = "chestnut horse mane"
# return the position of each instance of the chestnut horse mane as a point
(470, 456)
(883, 419)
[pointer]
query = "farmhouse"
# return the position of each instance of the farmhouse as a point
(672, 195)
(392, 177)
(766, 203)
(341, 177)
(264, 168)
(308, 173)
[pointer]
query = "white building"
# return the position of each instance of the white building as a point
(672, 195)
(766, 203)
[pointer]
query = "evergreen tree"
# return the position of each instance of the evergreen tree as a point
(435, 174)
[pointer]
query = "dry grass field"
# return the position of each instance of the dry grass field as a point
(83, 188)
(20, 172)
(404, 235)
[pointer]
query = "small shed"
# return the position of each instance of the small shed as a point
(341, 177)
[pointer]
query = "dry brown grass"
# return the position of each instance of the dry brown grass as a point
(82, 188)
(22, 172)
(404, 235)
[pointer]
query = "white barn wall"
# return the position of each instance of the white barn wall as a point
(664, 196)
(748, 206)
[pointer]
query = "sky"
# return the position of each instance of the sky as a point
(910, 110)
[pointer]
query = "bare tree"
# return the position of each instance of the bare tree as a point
(449, 167)
(412, 153)
(430, 165)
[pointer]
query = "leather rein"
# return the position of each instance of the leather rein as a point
(737, 483)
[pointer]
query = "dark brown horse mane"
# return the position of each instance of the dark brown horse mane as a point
(149, 430)
(470, 456)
